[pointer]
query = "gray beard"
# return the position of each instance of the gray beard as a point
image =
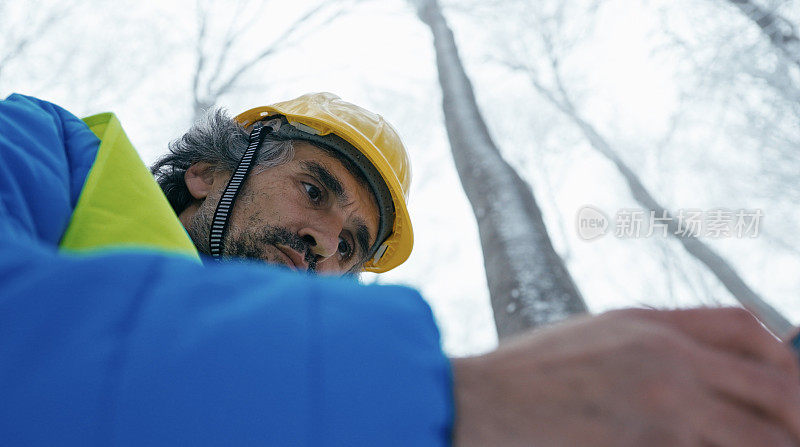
(249, 243)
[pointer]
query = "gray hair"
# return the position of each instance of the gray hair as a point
(218, 140)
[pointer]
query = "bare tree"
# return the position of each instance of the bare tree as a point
(771, 115)
(557, 94)
(528, 282)
(781, 32)
(750, 94)
(215, 75)
(34, 23)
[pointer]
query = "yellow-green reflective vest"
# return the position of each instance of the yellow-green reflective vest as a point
(121, 206)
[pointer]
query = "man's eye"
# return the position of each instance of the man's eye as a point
(345, 249)
(314, 193)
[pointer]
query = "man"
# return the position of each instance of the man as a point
(336, 175)
(132, 342)
(327, 191)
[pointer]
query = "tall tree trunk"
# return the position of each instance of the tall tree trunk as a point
(528, 282)
(781, 32)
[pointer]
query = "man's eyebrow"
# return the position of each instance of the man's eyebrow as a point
(328, 180)
(362, 238)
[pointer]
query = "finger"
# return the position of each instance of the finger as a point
(732, 329)
(726, 424)
(763, 388)
(793, 343)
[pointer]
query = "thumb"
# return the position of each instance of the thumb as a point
(794, 343)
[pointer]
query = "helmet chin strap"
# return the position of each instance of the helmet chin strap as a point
(219, 224)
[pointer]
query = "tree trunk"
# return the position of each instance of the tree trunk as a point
(528, 283)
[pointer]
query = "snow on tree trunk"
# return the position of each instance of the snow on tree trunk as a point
(528, 283)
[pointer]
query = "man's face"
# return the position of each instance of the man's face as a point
(310, 214)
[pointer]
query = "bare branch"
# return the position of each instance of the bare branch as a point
(33, 32)
(716, 264)
(202, 16)
(781, 32)
(232, 33)
(276, 45)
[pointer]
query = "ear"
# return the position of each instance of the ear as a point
(199, 179)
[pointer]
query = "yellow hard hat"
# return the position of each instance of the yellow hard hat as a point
(318, 117)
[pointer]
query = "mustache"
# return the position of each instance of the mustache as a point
(250, 244)
(279, 235)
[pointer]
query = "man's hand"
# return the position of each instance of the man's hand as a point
(701, 377)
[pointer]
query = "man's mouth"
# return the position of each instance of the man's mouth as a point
(296, 260)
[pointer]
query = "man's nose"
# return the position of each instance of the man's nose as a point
(322, 238)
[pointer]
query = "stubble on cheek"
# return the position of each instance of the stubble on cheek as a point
(200, 227)
(247, 237)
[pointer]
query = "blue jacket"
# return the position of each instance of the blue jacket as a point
(141, 348)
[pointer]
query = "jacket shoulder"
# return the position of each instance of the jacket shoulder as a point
(45, 155)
